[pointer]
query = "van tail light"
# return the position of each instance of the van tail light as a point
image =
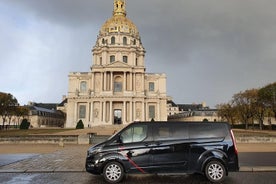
(234, 141)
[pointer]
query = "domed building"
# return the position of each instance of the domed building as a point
(116, 90)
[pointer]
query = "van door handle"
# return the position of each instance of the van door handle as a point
(148, 144)
(158, 143)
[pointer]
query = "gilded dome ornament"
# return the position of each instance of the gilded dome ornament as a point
(119, 23)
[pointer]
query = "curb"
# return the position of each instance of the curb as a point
(41, 171)
(258, 169)
(242, 169)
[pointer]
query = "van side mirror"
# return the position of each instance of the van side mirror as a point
(119, 139)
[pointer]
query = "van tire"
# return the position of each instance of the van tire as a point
(113, 172)
(215, 171)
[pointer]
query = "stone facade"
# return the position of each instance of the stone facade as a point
(117, 90)
(40, 115)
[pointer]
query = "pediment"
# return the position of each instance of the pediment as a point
(118, 64)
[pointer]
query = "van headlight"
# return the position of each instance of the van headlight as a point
(93, 151)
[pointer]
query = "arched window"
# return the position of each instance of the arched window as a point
(151, 86)
(125, 59)
(112, 40)
(83, 86)
(124, 41)
(112, 58)
(134, 42)
(103, 42)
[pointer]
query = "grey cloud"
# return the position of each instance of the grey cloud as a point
(221, 46)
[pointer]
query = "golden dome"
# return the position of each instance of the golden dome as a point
(119, 23)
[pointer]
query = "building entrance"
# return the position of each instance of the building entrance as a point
(117, 117)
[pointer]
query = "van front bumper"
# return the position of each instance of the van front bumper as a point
(92, 166)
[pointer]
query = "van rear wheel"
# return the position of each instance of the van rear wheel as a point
(113, 172)
(215, 171)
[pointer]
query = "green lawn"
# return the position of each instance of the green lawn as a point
(17, 132)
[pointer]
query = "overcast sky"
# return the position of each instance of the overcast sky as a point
(209, 49)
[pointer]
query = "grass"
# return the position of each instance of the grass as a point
(17, 132)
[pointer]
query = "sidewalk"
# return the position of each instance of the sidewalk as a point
(71, 158)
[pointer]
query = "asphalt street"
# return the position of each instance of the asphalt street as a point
(257, 159)
(67, 166)
(86, 178)
(245, 159)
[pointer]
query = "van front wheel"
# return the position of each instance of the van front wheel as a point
(215, 171)
(113, 172)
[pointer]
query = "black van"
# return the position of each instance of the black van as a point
(166, 147)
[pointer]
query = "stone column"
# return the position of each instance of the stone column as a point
(101, 111)
(143, 111)
(104, 83)
(131, 81)
(104, 111)
(91, 112)
(124, 114)
(124, 86)
(111, 81)
(134, 82)
(158, 111)
(101, 81)
(131, 111)
(111, 112)
(76, 113)
(93, 82)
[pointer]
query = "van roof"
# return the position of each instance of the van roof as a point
(178, 122)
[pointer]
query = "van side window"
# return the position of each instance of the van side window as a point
(163, 132)
(168, 132)
(134, 134)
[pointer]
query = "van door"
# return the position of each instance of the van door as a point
(135, 148)
(170, 152)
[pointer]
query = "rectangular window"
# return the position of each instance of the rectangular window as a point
(82, 111)
(112, 59)
(151, 86)
(125, 59)
(118, 87)
(151, 111)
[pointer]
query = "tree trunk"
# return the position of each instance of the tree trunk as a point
(246, 125)
(261, 124)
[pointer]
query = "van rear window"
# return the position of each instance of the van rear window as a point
(208, 130)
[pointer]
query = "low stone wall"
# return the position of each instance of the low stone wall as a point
(95, 139)
(40, 139)
(255, 139)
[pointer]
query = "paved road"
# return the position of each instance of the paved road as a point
(85, 178)
(67, 166)
(60, 161)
